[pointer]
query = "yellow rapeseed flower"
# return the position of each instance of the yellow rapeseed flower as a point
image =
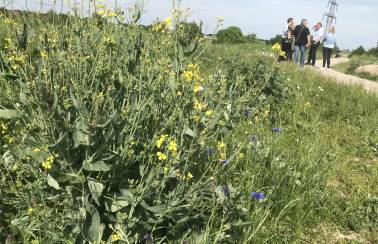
(115, 237)
(168, 21)
(221, 145)
(162, 139)
(161, 156)
(30, 211)
(43, 54)
(197, 88)
(199, 106)
(172, 146)
(209, 112)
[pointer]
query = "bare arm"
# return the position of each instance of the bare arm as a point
(308, 40)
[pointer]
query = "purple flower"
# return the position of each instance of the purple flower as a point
(226, 191)
(147, 237)
(247, 112)
(225, 162)
(209, 151)
(277, 130)
(258, 195)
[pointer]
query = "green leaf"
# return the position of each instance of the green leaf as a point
(190, 133)
(8, 114)
(80, 134)
(172, 84)
(52, 182)
(97, 166)
(96, 189)
(128, 195)
(92, 228)
(113, 205)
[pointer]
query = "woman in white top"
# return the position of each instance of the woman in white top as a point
(328, 46)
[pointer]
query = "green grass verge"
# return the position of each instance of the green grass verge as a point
(351, 67)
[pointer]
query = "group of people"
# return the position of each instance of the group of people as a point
(297, 38)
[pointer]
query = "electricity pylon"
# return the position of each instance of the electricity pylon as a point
(330, 16)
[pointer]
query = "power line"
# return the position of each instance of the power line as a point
(330, 16)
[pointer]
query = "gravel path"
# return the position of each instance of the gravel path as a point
(345, 78)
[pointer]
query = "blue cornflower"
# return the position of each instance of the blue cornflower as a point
(277, 130)
(247, 112)
(226, 191)
(258, 195)
(225, 162)
(209, 151)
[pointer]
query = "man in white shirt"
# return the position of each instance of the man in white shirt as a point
(286, 27)
(317, 37)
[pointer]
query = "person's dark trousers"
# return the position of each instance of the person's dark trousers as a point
(312, 54)
(284, 48)
(327, 53)
(289, 54)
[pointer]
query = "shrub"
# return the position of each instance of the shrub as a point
(232, 34)
(274, 40)
(251, 38)
(359, 51)
(111, 132)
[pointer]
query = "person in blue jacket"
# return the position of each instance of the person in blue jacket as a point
(328, 46)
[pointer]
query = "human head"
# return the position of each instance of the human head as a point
(289, 21)
(318, 25)
(292, 25)
(304, 22)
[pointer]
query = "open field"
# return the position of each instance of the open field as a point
(130, 134)
(357, 66)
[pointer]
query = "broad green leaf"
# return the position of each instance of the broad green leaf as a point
(80, 134)
(8, 114)
(96, 189)
(97, 166)
(113, 205)
(52, 182)
(92, 228)
(190, 133)
(128, 195)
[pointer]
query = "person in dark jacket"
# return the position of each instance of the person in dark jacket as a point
(302, 40)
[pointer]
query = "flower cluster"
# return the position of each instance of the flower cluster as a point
(48, 162)
(115, 237)
(102, 11)
(191, 73)
(278, 49)
(163, 26)
(222, 147)
(164, 143)
(4, 132)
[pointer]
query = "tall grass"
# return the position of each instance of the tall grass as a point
(118, 133)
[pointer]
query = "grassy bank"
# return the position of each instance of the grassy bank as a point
(151, 135)
(320, 171)
(351, 66)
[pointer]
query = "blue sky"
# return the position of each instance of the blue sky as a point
(356, 25)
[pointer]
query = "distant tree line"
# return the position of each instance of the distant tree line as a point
(234, 34)
(362, 51)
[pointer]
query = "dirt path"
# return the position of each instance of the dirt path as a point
(345, 78)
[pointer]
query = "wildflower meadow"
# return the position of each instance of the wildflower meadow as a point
(114, 132)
